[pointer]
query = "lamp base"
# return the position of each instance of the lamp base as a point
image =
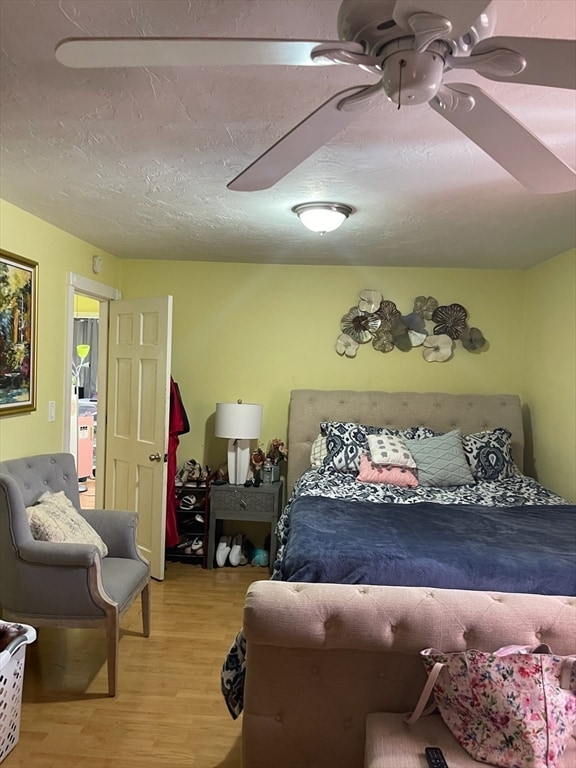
(238, 461)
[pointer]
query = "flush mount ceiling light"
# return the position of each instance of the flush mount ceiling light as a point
(322, 217)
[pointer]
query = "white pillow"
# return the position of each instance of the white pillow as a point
(318, 452)
(390, 450)
(56, 519)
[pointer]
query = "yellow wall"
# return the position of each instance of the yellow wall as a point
(549, 370)
(84, 306)
(57, 253)
(256, 332)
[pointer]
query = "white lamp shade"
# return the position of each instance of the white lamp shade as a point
(238, 421)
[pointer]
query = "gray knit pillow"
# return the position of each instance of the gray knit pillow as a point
(441, 461)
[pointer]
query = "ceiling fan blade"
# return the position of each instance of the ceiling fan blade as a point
(505, 139)
(303, 140)
(548, 62)
(95, 52)
(461, 13)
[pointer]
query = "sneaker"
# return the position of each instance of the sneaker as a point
(188, 502)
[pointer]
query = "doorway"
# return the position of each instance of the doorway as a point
(85, 395)
(133, 410)
(85, 418)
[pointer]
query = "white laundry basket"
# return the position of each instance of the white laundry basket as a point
(11, 679)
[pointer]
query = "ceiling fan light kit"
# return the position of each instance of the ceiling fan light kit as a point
(409, 45)
(322, 217)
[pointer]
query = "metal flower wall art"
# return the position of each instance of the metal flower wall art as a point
(435, 327)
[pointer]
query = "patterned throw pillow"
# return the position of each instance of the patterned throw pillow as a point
(415, 433)
(345, 442)
(318, 451)
(377, 473)
(441, 460)
(489, 454)
(389, 449)
(56, 519)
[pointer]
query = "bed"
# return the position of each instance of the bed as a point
(494, 529)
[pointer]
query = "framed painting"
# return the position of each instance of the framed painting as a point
(18, 321)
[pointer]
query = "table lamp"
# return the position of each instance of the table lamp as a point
(239, 422)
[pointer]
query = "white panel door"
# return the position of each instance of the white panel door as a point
(138, 402)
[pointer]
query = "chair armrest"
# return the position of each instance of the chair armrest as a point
(117, 528)
(52, 553)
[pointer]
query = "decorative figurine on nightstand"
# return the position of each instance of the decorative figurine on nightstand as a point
(275, 454)
(257, 460)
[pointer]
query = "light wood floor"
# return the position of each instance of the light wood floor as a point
(169, 710)
(87, 496)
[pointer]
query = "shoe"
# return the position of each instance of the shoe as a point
(236, 550)
(196, 544)
(188, 502)
(223, 550)
(247, 552)
(191, 551)
(199, 518)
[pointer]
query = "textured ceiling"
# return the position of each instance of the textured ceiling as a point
(137, 161)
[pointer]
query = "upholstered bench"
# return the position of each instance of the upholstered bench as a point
(392, 743)
(320, 658)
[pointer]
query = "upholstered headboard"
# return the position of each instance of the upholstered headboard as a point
(439, 411)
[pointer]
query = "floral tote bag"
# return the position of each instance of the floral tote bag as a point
(513, 708)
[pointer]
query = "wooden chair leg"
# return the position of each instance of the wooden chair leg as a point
(112, 640)
(146, 610)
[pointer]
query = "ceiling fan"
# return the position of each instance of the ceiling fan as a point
(408, 45)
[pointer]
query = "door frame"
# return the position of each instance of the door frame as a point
(103, 294)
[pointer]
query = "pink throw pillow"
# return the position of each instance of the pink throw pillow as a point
(380, 473)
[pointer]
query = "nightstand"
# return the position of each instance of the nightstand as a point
(236, 502)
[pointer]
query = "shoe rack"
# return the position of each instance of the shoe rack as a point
(192, 514)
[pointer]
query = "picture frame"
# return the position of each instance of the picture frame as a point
(18, 333)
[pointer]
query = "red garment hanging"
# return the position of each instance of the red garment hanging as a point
(178, 425)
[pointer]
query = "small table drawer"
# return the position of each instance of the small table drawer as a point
(240, 502)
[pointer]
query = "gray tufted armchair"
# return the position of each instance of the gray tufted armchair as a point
(67, 585)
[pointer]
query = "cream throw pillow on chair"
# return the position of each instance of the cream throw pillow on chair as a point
(54, 518)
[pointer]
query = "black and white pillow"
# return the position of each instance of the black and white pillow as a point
(345, 443)
(489, 454)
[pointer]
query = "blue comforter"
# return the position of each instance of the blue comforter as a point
(528, 549)
(506, 536)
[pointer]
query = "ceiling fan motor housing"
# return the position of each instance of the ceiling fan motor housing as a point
(368, 23)
(372, 25)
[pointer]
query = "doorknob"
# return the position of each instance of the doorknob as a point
(155, 457)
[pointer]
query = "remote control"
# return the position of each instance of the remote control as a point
(435, 758)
